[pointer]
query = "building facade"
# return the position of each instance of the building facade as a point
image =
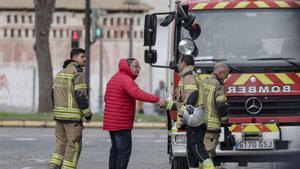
(18, 65)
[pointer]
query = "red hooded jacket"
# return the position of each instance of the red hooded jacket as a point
(120, 97)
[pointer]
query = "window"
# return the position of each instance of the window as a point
(65, 19)
(33, 33)
(67, 33)
(5, 33)
(111, 21)
(23, 18)
(26, 33)
(118, 21)
(108, 34)
(131, 21)
(135, 34)
(58, 20)
(138, 21)
(54, 33)
(8, 18)
(19, 33)
(30, 19)
(122, 34)
(16, 18)
(61, 33)
(116, 34)
(104, 21)
(12, 33)
(141, 34)
(125, 21)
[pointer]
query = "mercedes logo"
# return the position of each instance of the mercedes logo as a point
(253, 105)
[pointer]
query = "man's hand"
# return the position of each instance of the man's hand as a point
(162, 103)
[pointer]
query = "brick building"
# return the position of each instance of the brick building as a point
(18, 69)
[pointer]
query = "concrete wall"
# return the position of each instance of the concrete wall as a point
(18, 75)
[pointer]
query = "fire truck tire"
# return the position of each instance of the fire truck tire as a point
(179, 163)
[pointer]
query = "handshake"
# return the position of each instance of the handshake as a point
(162, 103)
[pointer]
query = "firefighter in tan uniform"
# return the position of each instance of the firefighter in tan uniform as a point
(70, 98)
(187, 94)
(213, 98)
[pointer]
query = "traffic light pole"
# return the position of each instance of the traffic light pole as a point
(101, 77)
(130, 36)
(87, 39)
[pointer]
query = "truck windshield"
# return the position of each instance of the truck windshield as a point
(241, 35)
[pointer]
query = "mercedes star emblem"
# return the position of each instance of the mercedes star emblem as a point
(253, 105)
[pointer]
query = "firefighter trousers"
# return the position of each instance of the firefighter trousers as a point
(195, 148)
(68, 145)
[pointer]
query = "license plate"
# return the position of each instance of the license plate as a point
(255, 145)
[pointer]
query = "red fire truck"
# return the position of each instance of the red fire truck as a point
(260, 41)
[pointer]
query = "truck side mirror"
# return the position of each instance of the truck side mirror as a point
(167, 20)
(150, 56)
(150, 30)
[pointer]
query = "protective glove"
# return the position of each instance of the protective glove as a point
(88, 118)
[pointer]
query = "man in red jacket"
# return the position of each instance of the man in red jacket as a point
(120, 97)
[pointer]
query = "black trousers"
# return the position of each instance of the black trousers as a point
(120, 151)
(195, 147)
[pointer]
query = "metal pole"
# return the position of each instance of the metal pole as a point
(87, 39)
(130, 36)
(101, 77)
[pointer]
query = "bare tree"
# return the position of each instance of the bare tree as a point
(43, 18)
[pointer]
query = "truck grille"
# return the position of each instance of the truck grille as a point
(270, 106)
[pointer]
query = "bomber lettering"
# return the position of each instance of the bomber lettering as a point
(259, 89)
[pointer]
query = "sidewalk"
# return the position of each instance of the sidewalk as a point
(51, 124)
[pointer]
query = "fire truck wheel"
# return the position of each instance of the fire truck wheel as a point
(179, 163)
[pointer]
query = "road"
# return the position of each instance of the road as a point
(30, 148)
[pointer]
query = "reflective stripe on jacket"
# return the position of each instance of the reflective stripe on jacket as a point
(211, 92)
(184, 90)
(66, 82)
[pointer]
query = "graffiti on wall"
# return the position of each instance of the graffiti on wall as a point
(17, 94)
(3, 83)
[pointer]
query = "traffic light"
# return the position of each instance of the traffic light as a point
(75, 39)
(96, 30)
(99, 33)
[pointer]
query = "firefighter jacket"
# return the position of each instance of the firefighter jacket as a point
(213, 99)
(70, 93)
(187, 84)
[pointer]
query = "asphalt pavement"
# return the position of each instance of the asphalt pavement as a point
(31, 148)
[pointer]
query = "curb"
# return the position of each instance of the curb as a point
(51, 124)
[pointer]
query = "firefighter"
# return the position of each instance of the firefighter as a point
(213, 98)
(187, 94)
(70, 98)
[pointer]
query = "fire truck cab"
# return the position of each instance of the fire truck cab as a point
(260, 41)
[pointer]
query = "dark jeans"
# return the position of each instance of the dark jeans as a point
(120, 150)
(196, 151)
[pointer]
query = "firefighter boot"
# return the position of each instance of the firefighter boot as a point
(208, 164)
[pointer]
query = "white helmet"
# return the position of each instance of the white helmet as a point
(193, 117)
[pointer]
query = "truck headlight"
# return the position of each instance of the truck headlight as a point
(180, 139)
(188, 47)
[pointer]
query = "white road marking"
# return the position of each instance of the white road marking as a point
(160, 141)
(23, 139)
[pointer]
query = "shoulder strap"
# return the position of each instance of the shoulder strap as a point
(188, 73)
